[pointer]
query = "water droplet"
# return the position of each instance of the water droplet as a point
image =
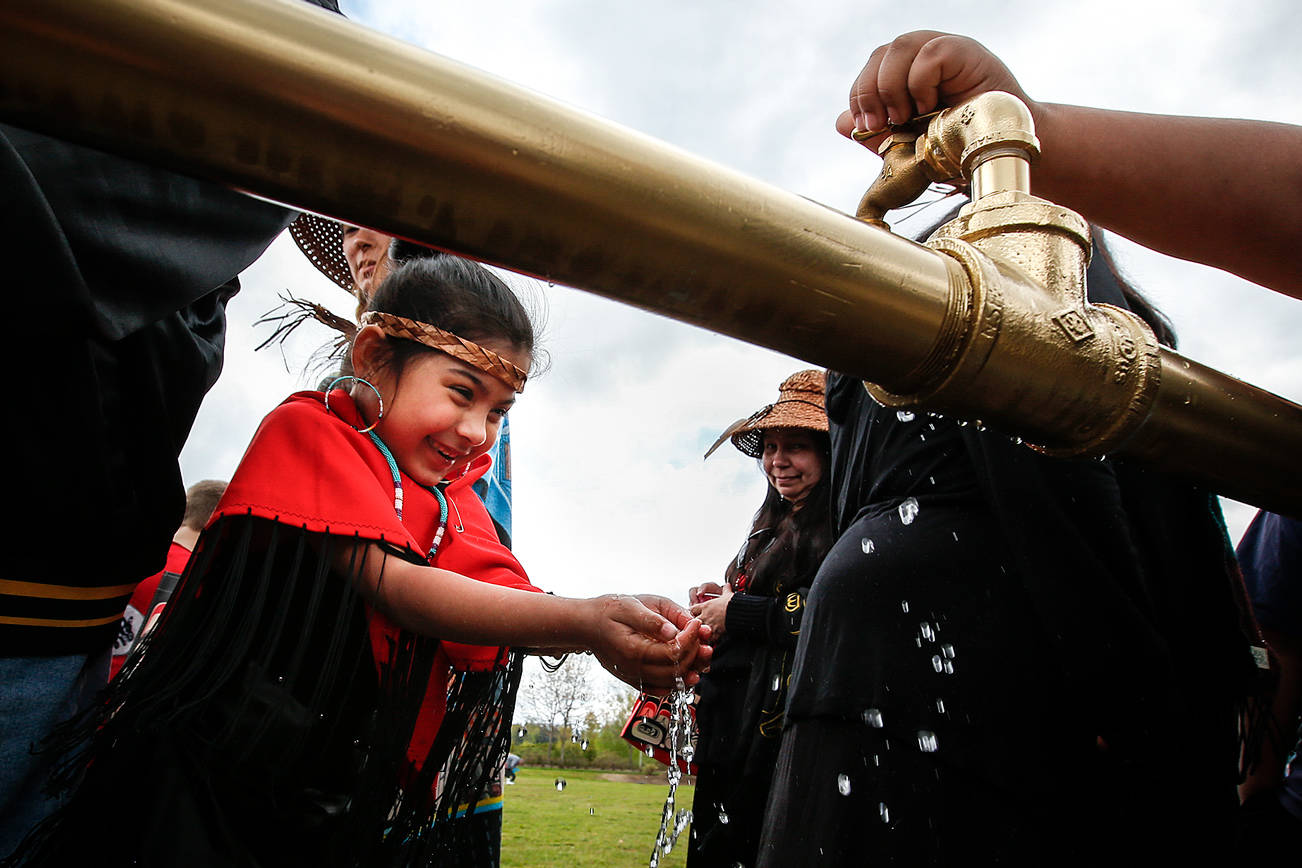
(909, 510)
(280, 679)
(923, 436)
(650, 751)
(777, 683)
(1017, 441)
(867, 546)
(583, 745)
(904, 606)
(937, 663)
(932, 479)
(723, 816)
(904, 415)
(877, 760)
(321, 716)
(955, 533)
(927, 741)
(592, 812)
(560, 784)
(873, 717)
(949, 667)
(940, 705)
(962, 423)
(884, 812)
(980, 426)
(927, 632)
(947, 650)
(843, 784)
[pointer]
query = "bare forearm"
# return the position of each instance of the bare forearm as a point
(439, 603)
(647, 641)
(1227, 193)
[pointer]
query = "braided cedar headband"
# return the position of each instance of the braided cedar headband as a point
(459, 348)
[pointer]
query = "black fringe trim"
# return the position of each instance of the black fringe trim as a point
(250, 727)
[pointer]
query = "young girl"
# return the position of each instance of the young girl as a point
(294, 705)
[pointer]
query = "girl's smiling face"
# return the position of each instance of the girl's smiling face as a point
(440, 413)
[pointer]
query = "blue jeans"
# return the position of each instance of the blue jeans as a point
(37, 694)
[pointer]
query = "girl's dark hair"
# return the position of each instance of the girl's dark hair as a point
(456, 295)
(785, 547)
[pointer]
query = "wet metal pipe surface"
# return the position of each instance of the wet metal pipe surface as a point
(302, 106)
(298, 105)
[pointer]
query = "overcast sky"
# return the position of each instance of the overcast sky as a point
(611, 490)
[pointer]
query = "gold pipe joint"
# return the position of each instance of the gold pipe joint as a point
(1019, 328)
(989, 140)
(987, 127)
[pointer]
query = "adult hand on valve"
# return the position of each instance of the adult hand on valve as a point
(917, 73)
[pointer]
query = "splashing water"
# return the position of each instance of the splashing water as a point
(873, 717)
(909, 510)
(905, 415)
(843, 784)
(680, 735)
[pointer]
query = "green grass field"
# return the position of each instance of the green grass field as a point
(593, 823)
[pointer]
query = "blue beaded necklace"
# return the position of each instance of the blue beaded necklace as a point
(397, 495)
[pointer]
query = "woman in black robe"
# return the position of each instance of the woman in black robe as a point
(1009, 658)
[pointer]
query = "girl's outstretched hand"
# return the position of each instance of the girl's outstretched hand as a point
(917, 73)
(648, 641)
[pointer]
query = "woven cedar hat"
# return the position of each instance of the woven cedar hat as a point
(322, 242)
(800, 404)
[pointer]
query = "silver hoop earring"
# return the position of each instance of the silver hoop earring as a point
(364, 382)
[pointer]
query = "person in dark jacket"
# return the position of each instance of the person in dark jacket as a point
(757, 614)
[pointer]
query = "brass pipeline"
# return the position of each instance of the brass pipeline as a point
(1020, 326)
(301, 106)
